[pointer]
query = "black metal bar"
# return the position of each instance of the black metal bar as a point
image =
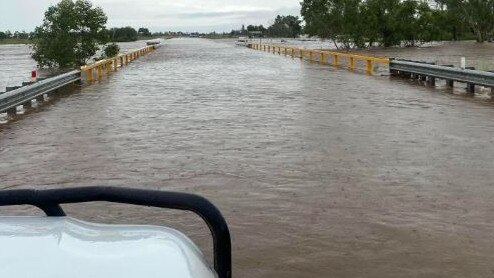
(50, 200)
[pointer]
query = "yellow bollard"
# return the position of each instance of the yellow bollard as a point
(285, 50)
(279, 50)
(100, 72)
(301, 53)
(321, 60)
(352, 63)
(335, 61)
(89, 75)
(115, 64)
(369, 66)
(311, 56)
(108, 67)
(293, 52)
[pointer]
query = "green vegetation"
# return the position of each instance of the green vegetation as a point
(70, 34)
(8, 37)
(111, 50)
(285, 27)
(362, 23)
(125, 34)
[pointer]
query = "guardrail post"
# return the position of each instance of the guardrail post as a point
(432, 80)
(12, 111)
(369, 66)
(335, 60)
(301, 54)
(27, 104)
(352, 63)
(89, 75)
(471, 88)
(100, 72)
(279, 50)
(293, 52)
(311, 56)
(321, 59)
(115, 64)
(285, 50)
(40, 98)
(108, 67)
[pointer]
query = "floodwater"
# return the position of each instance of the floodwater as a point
(319, 172)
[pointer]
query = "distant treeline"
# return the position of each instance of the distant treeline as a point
(363, 23)
(124, 34)
(129, 34)
(16, 35)
(283, 27)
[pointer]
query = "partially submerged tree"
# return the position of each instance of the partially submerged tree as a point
(71, 33)
(285, 26)
(111, 50)
(124, 34)
(478, 14)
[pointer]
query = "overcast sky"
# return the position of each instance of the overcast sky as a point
(159, 15)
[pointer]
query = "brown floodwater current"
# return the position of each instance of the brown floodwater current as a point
(319, 172)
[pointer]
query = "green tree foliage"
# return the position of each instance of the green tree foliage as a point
(70, 34)
(361, 23)
(3, 36)
(477, 14)
(255, 28)
(285, 27)
(144, 32)
(125, 34)
(111, 50)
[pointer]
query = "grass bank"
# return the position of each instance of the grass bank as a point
(15, 41)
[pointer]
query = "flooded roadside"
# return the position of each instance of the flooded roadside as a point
(319, 172)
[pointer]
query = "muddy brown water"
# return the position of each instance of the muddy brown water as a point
(319, 172)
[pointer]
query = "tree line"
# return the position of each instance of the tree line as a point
(363, 23)
(283, 27)
(16, 35)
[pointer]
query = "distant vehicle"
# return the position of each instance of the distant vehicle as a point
(153, 42)
(61, 246)
(242, 41)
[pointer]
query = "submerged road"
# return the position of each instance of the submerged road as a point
(319, 172)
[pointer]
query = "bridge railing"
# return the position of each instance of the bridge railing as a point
(112, 64)
(324, 57)
(23, 95)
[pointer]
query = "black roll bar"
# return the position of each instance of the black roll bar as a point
(49, 201)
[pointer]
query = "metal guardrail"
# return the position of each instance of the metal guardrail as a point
(10, 100)
(322, 56)
(23, 95)
(112, 64)
(469, 76)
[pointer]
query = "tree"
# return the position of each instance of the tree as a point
(125, 34)
(478, 14)
(144, 32)
(3, 36)
(339, 20)
(111, 50)
(70, 34)
(285, 26)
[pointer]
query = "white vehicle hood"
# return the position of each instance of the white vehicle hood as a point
(63, 247)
